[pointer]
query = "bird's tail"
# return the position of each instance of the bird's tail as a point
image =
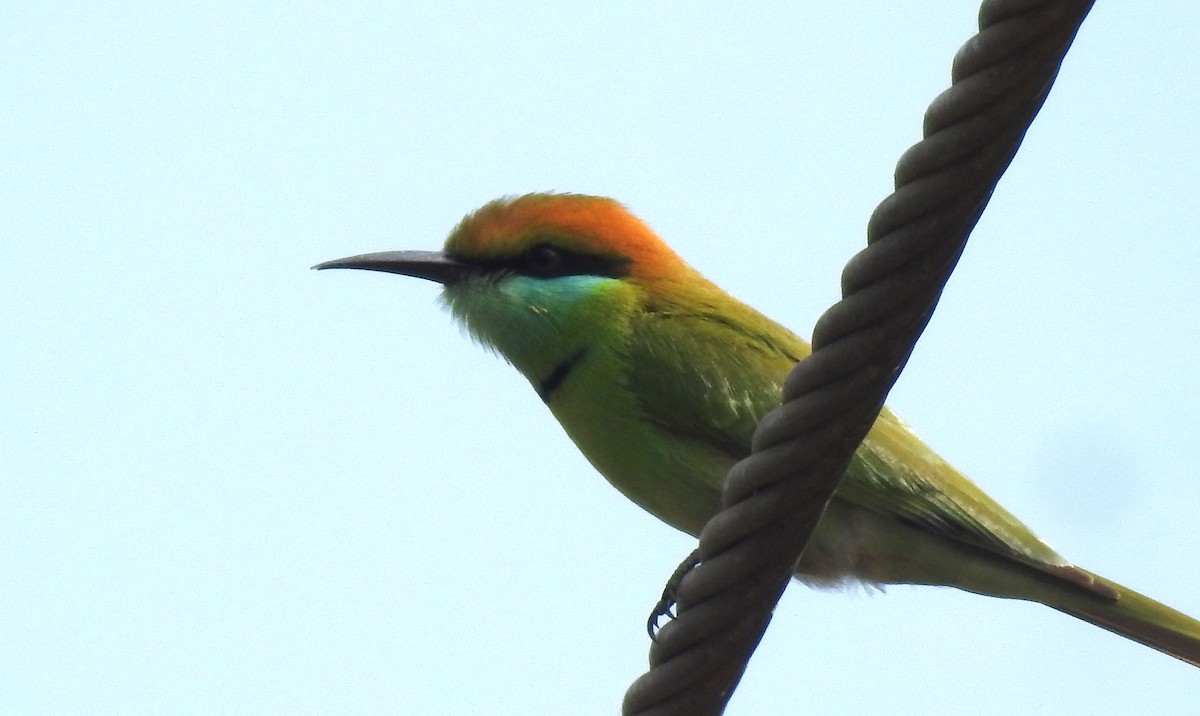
(1133, 616)
(1070, 590)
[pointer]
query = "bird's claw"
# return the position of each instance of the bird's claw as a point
(665, 607)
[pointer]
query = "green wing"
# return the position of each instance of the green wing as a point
(710, 377)
(894, 472)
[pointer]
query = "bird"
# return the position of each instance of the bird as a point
(660, 377)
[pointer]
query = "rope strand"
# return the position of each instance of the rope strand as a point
(775, 497)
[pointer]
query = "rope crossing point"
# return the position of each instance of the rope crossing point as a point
(774, 498)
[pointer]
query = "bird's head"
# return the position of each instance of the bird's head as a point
(541, 275)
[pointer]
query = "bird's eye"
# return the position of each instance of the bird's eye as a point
(543, 260)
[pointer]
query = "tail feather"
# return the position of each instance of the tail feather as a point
(1137, 617)
(903, 554)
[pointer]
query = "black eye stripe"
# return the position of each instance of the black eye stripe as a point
(546, 260)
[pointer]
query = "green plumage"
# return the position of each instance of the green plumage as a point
(660, 378)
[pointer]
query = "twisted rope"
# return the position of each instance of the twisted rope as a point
(774, 498)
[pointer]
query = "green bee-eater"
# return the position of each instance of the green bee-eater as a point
(660, 377)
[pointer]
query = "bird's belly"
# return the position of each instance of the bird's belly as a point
(679, 482)
(678, 479)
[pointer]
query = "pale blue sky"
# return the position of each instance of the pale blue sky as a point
(232, 484)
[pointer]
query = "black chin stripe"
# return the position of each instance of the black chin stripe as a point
(552, 382)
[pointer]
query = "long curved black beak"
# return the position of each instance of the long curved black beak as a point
(430, 265)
